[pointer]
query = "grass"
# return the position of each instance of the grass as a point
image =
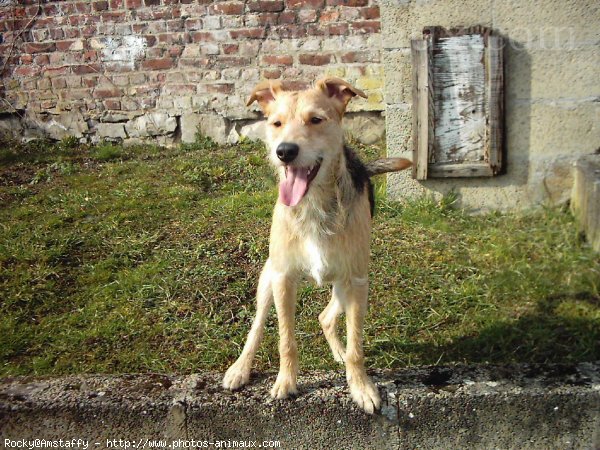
(146, 259)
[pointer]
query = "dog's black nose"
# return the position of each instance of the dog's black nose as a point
(287, 152)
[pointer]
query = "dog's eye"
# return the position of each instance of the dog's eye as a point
(316, 120)
(277, 123)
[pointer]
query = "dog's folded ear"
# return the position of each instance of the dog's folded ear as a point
(339, 90)
(264, 93)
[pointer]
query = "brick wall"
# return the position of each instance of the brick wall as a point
(158, 69)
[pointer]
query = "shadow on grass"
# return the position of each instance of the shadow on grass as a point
(543, 336)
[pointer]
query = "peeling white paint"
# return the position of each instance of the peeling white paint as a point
(459, 90)
(125, 50)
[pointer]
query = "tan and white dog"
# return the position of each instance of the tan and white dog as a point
(321, 229)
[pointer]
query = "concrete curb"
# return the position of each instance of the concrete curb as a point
(525, 406)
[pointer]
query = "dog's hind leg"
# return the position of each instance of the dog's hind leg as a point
(362, 389)
(284, 293)
(239, 372)
(328, 320)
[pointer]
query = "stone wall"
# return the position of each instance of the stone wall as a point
(160, 69)
(552, 93)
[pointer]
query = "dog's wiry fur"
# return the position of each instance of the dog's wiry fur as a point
(325, 235)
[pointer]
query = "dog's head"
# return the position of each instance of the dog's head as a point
(304, 133)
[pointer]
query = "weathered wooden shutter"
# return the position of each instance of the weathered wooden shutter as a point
(457, 103)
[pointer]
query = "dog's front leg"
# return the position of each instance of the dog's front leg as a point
(239, 372)
(284, 293)
(362, 389)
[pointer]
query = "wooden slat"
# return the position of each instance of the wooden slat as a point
(460, 170)
(495, 102)
(421, 107)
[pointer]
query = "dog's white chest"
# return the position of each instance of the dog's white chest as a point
(315, 261)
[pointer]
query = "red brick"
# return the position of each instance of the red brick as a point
(271, 74)
(289, 17)
(150, 40)
(367, 26)
(55, 71)
(250, 33)
(90, 55)
(228, 49)
(224, 62)
(86, 68)
(266, 6)
(49, 10)
(83, 7)
(88, 32)
(116, 4)
(290, 31)
(107, 93)
(26, 59)
(27, 71)
(112, 104)
(100, 6)
(314, 59)
(227, 8)
(337, 28)
(133, 4)
(113, 16)
(284, 60)
(347, 2)
(41, 60)
(39, 47)
(329, 16)
(220, 88)
(175, 51)
(90, 81)
(152, 2)
(173, 38)
(71, 33)
(59, 83)
(56, 33)
(370, 13)
(158, 64)
(313, 4)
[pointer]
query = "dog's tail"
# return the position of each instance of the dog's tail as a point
(385, 165)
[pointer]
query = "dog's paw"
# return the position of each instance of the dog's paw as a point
(284, 387)
(365, 394)
(236, 376)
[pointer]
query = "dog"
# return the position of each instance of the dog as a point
(321, 229)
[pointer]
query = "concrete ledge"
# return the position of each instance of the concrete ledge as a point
(585, 198)
(526, 406)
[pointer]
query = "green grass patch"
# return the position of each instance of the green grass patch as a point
(136, 259)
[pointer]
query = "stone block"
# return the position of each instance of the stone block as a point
(560, 128)
(111, 130)
(59, 126)
(398, 80)
(403, 19)
(151, 124)
(543, 74)
(549, 24)
(367, 128)
(210, 125)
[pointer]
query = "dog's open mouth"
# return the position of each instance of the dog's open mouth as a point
(296, 183)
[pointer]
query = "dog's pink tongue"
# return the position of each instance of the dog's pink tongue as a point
(295, 185)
